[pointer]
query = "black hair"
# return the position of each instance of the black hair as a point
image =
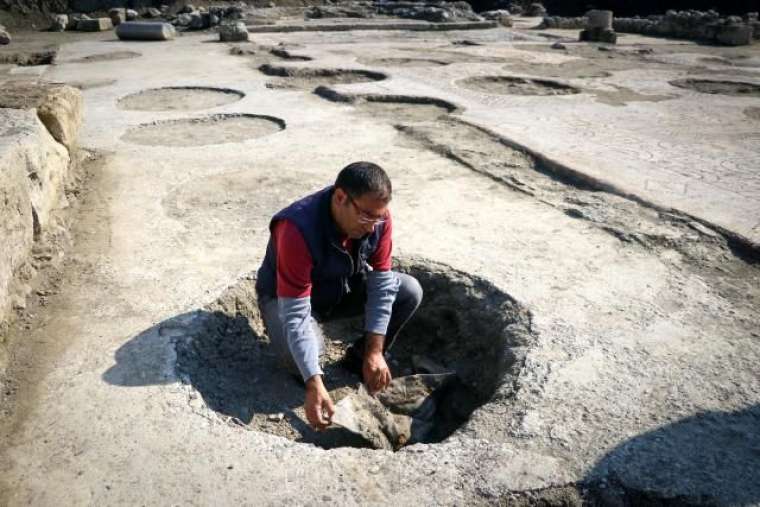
(361, 178)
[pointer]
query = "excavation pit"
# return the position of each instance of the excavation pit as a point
(308, 78)
(733, 88)
(511, 85)
(204, 131)
(465, 342)
(179, 98)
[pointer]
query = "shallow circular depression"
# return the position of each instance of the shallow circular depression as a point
(715, 87)
(307, 77)
(179, 98)
(403, 62)
(464, 325)
(512, 85)
(107, 57)
(205, 130)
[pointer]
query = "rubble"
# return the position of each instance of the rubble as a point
(536, 9)
(435, 12)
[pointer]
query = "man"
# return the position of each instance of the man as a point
(329, 256)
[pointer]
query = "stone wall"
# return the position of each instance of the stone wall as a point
(706, 26)
(38, 131)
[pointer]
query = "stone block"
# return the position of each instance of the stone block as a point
(58, 107)
(94, 25)
(133, 30)
(5, 36)
(33, 170)
(596, 19)
(233, 32)
(598, 35)
(734, 35)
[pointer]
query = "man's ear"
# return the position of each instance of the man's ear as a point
(341, 196)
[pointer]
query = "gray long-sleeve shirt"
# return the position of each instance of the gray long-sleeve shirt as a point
(295, 313)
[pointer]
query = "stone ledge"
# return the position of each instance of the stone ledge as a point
(417, 27)
(39, 125)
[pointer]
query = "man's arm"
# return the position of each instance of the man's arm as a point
(382, 287)
(294, 266)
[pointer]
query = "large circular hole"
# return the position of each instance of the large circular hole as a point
(179, 98)
(308, 77)
(203, 131)
(510, 85)
(735, 88)
(462, 345)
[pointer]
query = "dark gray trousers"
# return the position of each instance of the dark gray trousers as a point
(407, 301)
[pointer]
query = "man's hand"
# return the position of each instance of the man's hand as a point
(318, 406)
(375, 370)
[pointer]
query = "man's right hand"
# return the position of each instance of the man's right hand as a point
(319, 406)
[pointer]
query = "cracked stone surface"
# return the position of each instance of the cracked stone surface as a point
(617, 226)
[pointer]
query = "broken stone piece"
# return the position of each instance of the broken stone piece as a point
(132, 14)
(402, 414)
(5, 37)
(279, 416)
(118, 15)
(59, 23)
(94, 25)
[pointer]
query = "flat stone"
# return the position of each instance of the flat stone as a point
(141, 30)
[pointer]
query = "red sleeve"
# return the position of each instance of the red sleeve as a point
(381, 259)
(293, 261)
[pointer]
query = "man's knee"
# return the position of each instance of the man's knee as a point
(409, 291)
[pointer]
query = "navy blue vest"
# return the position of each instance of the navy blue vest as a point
(335, 271)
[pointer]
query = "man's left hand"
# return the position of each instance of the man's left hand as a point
(375, 371)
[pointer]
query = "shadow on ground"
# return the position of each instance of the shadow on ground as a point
(712, 458)
(228, 362)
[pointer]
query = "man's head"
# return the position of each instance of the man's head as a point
(361, 198)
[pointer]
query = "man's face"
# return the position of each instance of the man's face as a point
(358, 216)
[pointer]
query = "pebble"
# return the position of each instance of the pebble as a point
(279, 416)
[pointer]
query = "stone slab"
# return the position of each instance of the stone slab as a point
(94, 25)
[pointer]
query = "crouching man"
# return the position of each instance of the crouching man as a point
(328, 257)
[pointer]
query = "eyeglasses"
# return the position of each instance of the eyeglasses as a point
(364, 217)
